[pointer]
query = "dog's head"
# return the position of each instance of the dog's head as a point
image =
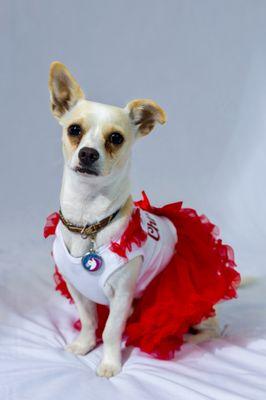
(97, 138)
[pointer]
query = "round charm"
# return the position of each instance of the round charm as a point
(92, 262)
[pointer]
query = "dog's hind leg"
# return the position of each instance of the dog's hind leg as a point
(206, 330)
(86, 339)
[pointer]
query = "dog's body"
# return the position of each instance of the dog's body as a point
(97, 141)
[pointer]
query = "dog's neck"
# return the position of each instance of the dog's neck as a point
(86, 200)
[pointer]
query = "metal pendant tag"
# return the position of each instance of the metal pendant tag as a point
(92, 261)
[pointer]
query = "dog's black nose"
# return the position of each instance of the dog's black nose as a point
(88, 155)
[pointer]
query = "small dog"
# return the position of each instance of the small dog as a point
(97, 142)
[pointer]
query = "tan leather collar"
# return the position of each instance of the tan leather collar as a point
(88, 230)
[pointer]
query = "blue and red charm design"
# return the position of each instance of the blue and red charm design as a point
(92, 262)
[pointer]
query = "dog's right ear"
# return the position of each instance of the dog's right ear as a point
(144, 114)
(64, 89)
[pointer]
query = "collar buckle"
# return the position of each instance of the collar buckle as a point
(88, 230)
(83, 233)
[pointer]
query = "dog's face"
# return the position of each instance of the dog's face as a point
(97, 138)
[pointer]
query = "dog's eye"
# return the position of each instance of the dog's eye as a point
(74, 130)
(116, 138)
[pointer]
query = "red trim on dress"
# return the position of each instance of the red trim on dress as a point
(134, 234)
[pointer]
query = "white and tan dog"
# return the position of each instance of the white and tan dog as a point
(97, 142)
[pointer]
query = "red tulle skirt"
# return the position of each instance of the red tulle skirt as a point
(200, 274)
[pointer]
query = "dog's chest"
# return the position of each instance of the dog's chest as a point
(78, 246)
(75, 244)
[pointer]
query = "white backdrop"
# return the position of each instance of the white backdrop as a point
(204, 62)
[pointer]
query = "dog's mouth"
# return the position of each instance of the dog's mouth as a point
(86, 170)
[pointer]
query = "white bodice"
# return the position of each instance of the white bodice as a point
(156, 252)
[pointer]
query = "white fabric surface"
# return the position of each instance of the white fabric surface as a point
(36, 324)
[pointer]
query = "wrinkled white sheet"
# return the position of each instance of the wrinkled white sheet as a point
(36, 325)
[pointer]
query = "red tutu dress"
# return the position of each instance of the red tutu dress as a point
(200, 274)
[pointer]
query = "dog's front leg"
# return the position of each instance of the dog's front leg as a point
(86, 340)
(120, 290)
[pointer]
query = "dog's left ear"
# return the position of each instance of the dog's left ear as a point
(144, 114)
(64, 89)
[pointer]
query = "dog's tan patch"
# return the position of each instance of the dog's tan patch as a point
(111, 148)
(75, 140)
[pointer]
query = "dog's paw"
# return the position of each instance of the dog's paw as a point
(108, 369)
(201, 337)
(80, 347)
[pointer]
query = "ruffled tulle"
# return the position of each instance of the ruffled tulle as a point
(51, 224)
(60, 285)
(200, 274)
(134, 234)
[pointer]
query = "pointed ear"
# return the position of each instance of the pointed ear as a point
(64, 89)
(144, 114)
